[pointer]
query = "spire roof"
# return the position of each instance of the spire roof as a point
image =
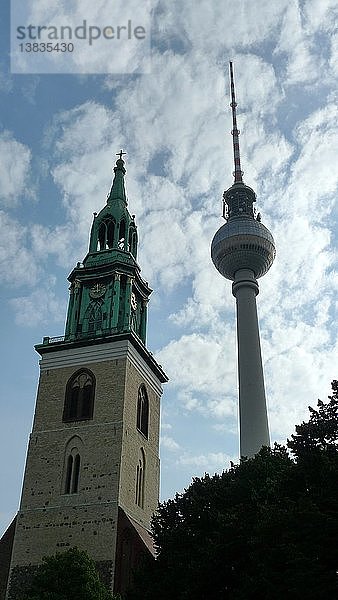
(118, 191)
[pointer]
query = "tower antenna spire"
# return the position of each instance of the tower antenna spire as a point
(235, 132)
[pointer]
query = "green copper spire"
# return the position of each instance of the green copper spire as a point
(107, 294)
(118, 191)
(114, 228)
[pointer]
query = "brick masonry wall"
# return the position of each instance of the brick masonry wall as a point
(109, 445)
(6, 544)
(132, 442)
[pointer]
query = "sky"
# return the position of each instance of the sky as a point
(167, 105)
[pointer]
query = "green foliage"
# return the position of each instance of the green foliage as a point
(264, 529)
(70, 575)
(320, 433)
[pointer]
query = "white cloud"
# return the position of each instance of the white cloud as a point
(166, 426)
(84, 159)
(314, 177)
(321, 16)
(41, 306)
(14, 170)
(215, 26)
(334, 55)
(169, 443)
(17, 264)
(211, 462)
(30, 89)
(225, 428)
(6, 81)
(295, 43)
(209, 363)
(93, 51)
(83, 130)
(222, 407)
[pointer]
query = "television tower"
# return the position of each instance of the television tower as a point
(243, 250)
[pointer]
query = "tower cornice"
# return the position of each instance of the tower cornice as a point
(110, 345)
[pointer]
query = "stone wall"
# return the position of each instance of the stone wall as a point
(49, 520)
(6, 544)
(132, 442)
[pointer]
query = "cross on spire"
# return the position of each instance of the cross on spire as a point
(120, 154)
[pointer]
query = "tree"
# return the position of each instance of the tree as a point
(70, 575)
(264, 529)
(320, 433)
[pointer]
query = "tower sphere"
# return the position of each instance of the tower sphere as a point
(243, 242)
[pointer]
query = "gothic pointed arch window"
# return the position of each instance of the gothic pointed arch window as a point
(106, 234)
(122, 234)
(102, 236)
(132, 241)
(72, 466)
(110, 233)
(142, 420)
(140, 478)
(79, 398)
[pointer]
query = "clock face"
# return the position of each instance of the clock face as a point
(133, 301)
(97, 290)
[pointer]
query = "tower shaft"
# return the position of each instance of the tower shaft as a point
(254, 429)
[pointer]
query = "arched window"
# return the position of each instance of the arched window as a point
(134, 245)
(132, 241)
(106, 234)
(122, 234)
(140, 475)
(72, 466)
(76, 474)
(79, 400)
(110, 233)
(102, 236)
(142, 421)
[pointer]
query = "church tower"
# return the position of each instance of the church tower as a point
(92, 470)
